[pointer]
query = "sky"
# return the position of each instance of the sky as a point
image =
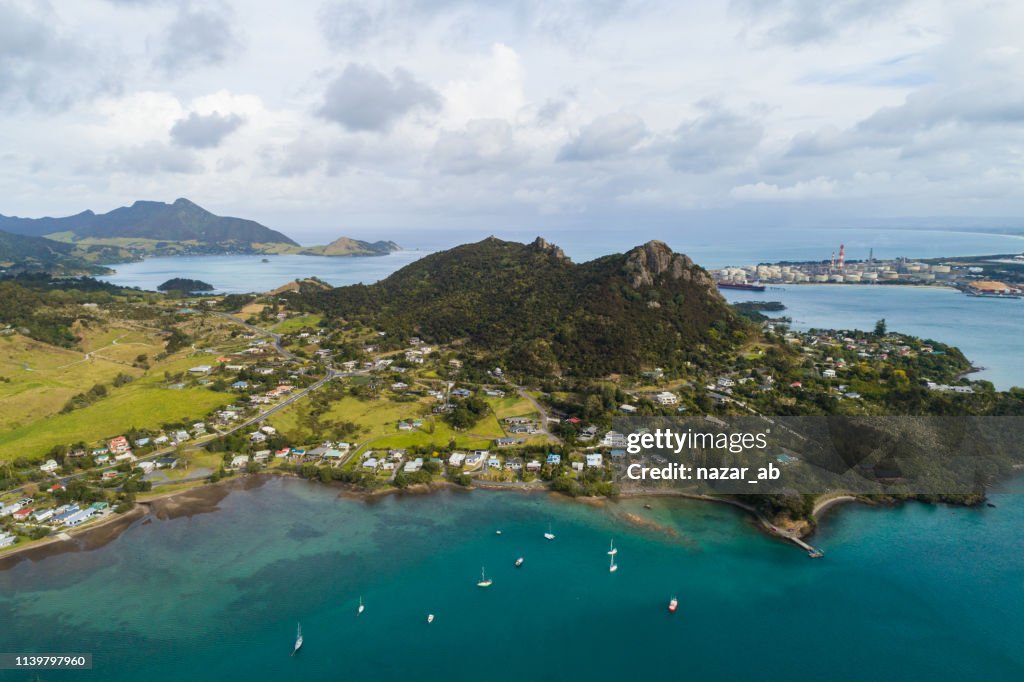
(333, 117)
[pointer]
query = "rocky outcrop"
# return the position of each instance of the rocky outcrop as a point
(646, 263)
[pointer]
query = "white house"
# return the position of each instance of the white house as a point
(50, 466)
(594, 459)
(666, 398)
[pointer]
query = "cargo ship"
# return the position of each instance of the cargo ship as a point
(743, 286)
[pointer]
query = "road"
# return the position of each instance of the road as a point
(263, 332)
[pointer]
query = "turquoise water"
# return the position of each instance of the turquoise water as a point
(910, 593)
(987, 330)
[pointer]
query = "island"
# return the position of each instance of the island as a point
(185, 286)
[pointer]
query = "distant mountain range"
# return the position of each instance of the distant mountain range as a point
(529, 308)
(181, 221)
(149, 228)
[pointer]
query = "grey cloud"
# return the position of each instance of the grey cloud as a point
(203, 132)
(362, 98)
(348, 24)
(197, 37)
(43, 65)
(551, 110)
(604, 137)
(485, 144)
(152, 158)
(800, 22)
(717, 139)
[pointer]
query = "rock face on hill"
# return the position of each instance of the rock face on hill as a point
(530, 307)
(179, 222)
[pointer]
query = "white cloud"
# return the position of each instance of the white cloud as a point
(818, 188)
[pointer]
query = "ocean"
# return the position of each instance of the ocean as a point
(912, 592)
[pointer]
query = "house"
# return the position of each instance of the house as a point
(101, 459)
(181, 436)
(201, 369)
(240, 385)
(505, 442)
(168, 462)
(269, 430)
(261, 456)
(239, 461)
(257, 437)
(455, 364)
(141, 442)
(370, 463)
(399, 386)
(42, 515)
(614, 439)
(578, 466)
(125, 457)
(49, 467)
(617, 454)
(413, 466)
(56, 488)
(456, 459)
(829, 373)
(474, 461)
(22, 514)
(533, 465)
(110, 475)
(627, 408)
(494, 393)
(147, 467)
(554, 459)
(595, 460)
(119, 444)
(493, 462)
(666, 398)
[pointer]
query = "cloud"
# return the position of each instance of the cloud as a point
(43, 64)
(486, 144)
(605, 137)
(151, 158)
(362, 98)
(801, 22)
(204, 132)
(716, 139)
(818, 188)
(348, 24)
(197, 37)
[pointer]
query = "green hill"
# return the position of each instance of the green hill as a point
(346, 246)
(531, 308)
(181, 221)
(20, 253)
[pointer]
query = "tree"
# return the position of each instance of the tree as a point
(880, 328)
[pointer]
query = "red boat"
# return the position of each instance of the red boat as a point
(673, 605)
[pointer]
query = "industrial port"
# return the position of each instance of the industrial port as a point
(975, 276)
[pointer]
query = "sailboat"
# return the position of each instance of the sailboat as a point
(611, 550)
(549, 535)
(519, 562)
(430, 618)
(484, 580)
(361, 607)
(298, 641)
(612, 567)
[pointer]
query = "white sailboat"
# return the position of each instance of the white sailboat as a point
(484, 580)
(430, 618)
(613, 566)
(549, 535)
(361, 608)
(298, 641)
(611, 550)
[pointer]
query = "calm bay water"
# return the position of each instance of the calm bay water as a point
(914, 592)
(987, 330)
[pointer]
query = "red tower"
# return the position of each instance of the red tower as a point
(842, 255)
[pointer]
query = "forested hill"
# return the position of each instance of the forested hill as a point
(180, 221)
(532, 308)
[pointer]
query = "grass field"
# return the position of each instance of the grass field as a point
(43, 377)
(379, 421)
(294, 324)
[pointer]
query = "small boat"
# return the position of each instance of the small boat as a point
(611, 549)
(298, 641)
(647, 506)
(430, 618)
(519, 562)
(361, 608)
(612, 567)
(549, 535)
(989, 504)
(484, 580)
(497, 532)
(673, 604)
